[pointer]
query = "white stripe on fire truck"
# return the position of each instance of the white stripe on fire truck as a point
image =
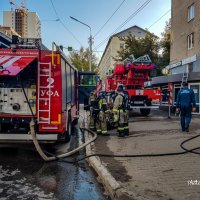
(11, 61)
(3, 59)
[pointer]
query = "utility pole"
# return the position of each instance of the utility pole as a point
(90, 51)
(89, 41)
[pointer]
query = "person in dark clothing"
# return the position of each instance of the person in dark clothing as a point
(185, 104)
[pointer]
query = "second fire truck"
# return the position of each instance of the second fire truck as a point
(133, 73)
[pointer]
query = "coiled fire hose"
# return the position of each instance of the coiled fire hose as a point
(36, 143)
(45, 157)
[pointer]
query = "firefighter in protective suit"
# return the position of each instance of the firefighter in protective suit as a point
(101, 123)
(120, 111)
(92, 99)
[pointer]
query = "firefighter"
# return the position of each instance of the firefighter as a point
(92, 98)
(101, 123)
(120, 112)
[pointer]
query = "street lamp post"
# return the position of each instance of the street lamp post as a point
(89, 41)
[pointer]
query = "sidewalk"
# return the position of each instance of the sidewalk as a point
(154, 178)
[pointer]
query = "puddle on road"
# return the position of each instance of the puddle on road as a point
(52, 181)
(15, 186)
(24, 176)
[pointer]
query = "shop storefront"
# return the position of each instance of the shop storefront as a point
(163, 83)
(196, 89)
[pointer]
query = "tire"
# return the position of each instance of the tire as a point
(145, 112)
(69, 129)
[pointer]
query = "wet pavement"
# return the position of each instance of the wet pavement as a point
(23, 175)
(150, 160)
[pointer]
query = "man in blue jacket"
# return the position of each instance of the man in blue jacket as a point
(185, 103)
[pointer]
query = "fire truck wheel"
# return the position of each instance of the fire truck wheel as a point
(145, 112)
(69, 129)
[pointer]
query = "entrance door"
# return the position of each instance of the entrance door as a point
(196, 89)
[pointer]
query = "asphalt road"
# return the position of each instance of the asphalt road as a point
(23, 175)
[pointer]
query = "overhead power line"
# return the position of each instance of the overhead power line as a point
(159, 19)
(61, 22)
(50, 20)
(133, 15)
(126, 21)
(109, 18)
(55, 9)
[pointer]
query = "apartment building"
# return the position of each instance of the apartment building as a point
(185, 37)
(185, 49)
(114, 44)
(8, 31)
(26, 26)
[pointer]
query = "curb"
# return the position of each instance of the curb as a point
(153, 118)
(112, 187)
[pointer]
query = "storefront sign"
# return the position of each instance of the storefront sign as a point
(175, 64)
(189, 60)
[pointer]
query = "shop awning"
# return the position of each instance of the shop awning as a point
(13, 65)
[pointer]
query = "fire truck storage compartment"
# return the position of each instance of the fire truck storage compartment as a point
(68, 84)
(15, 113)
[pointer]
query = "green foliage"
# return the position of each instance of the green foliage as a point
(139, 47)
(158, 51)
(80, 59)
(164, 59)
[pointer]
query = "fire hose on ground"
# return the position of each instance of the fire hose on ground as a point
(67, 154)
(56, 157)
(36, 143)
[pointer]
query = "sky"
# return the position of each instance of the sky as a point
(58, 27)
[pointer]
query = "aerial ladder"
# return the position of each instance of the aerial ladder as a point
(21, 10)
(184, 78)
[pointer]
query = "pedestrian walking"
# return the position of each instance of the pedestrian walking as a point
(185, 104)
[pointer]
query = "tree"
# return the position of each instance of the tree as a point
(80, 59)
(139, 47)
(164, 58)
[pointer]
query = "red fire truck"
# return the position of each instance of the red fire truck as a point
(36, 83)
(133, 73)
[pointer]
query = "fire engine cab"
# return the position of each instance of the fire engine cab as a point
(40, 84)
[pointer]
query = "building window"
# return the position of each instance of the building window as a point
(190, 41)
(190, 12)
(121, 45)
